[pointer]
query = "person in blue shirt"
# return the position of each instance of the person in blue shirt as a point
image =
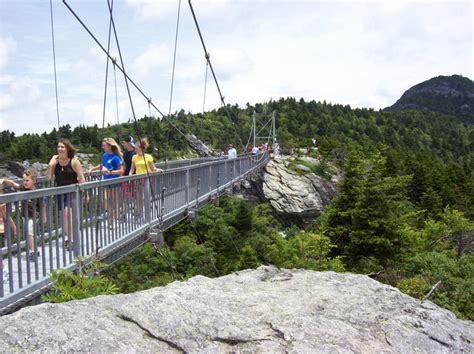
(112, 167)
(112, 160)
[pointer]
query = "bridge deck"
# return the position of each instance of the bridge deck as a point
(113, 215)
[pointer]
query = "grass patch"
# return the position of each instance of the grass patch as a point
(324, 169)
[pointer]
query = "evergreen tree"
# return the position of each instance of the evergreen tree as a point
(369, 215)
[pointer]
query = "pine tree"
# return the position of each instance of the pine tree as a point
(369, 215)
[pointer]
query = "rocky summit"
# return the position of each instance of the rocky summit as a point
(262, 310)
(452, 95)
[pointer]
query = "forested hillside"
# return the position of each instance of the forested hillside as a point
(435, 149)
(404, 209)
(297, 121)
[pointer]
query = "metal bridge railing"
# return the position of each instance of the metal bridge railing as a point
(95, 176)
(56, 225)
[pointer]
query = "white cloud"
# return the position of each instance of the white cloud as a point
(154, 57)
(152, 10)
(7, 48)
(6, 101)
(22, 91)
(350, 52)
(231, 61)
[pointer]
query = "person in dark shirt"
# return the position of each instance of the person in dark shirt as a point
(128, 152)
(66, 169)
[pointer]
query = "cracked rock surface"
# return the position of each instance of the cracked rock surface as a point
(262, 310)
(303, 197)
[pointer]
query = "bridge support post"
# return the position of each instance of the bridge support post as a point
(162, 207)
(240, 167)
(147, 199)
(225, 171)
(76, 222)
(186, 192)
(156, 236)
(209, 176)
(218, 186)
(198, 190)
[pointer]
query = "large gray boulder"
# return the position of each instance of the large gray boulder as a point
(199, 147)
(16, 168)
(295, 197)
(262, 310)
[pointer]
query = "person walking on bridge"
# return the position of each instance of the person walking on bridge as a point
(112, 160)
(31, 209)
(66, 169)
(232, 153)
(142, 163)
(128, 153)
(112, 167)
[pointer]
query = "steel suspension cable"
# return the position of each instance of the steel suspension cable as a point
(106, 81)
(100, 188)
(128, 78)
(174, 56)
(248, 140)
(122, 62)
(116, 96)
(135, 122)
(54, 60)
(213, 73)
(205, 88)
(205, 52)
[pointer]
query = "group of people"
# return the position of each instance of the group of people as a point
(255, 150)
(66, 169)
(133, 159)
(259, 149)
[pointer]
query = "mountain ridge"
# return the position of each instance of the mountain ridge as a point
(452, 95)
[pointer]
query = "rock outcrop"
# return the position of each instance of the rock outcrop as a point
(39, 167)
(199, 147)
(10, 168)
(297, 199)
(262, 310)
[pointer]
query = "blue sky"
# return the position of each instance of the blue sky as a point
(364, 53)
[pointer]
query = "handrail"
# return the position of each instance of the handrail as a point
(41, 180)
(50, 191)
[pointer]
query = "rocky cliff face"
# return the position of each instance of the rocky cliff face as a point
(297, 199)
(262, 310)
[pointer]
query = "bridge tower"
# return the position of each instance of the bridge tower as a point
(267, 131)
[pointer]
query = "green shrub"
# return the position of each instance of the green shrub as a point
(416, 287)
(87, 282)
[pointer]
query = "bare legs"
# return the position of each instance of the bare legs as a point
(3, 214)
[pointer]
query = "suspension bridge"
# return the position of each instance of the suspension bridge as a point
(108, 219)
